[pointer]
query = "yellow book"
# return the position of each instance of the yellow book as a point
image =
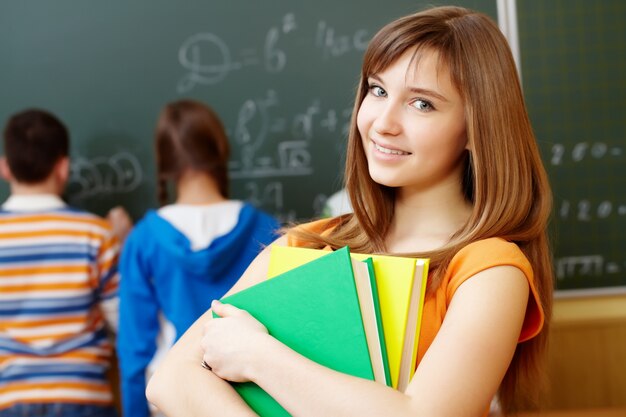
(401, 286)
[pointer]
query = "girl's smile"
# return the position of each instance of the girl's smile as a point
(388, 151)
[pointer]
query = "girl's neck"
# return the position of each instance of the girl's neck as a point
(426, 220)
(197, 188)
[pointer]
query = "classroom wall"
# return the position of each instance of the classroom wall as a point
(587, 354)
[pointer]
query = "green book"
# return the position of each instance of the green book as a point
(379, 320)
(314, 310)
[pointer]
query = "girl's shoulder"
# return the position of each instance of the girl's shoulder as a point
(492, 252)
(483, 254)
(495, 249)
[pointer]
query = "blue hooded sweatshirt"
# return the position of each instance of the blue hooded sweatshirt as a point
(164, 283)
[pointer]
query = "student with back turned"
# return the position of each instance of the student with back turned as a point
(183, 255)
(442, 163)
(58, 282)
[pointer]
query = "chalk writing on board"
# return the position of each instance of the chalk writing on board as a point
(290, 156)
(585, 211)
(586, 265)
(253, 124)
(119, 173)
(293, 159)
(271, 193)
(269, 196)
(334, 45)
(583, 150)
(208, 60)
(275, 58)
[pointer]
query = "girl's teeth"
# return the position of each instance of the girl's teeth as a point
(389, 151)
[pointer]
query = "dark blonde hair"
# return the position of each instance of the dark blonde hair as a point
(190, 136)
(504, 177)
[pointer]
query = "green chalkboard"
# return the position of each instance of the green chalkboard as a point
(574, 74)
(281, 73)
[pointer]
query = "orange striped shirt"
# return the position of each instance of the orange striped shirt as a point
(58, 270)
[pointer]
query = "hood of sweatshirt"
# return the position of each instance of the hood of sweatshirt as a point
(253, 226)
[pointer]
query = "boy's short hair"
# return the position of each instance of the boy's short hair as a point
(34, 141)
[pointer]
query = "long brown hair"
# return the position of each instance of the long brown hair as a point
(190, 136)
(504, 177)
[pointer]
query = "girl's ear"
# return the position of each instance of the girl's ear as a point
(5, 171)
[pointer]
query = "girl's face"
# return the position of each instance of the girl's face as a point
(412, 124)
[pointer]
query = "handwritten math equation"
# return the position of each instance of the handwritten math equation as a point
(272, 195)
(258, 152)
(585, 210)
(587, 266)
(582, 151)
(610, 207)
(208, 59)
(272, 139)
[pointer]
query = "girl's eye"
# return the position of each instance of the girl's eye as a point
(377, 91)
(423, 105)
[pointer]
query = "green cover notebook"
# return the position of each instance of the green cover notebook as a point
(379, 320)
(313, 309)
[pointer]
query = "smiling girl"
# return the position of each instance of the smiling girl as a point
(442, 163)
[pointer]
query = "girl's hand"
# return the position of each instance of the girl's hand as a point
(229, 342)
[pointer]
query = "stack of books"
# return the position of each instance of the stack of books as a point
(354, 313)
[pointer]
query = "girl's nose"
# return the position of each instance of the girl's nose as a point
(387, 121)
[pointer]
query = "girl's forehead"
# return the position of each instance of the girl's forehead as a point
(412, 58)
(414, 62)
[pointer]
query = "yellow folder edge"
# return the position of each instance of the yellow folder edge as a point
(424, 264)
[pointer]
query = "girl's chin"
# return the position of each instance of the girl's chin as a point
(386, 180)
